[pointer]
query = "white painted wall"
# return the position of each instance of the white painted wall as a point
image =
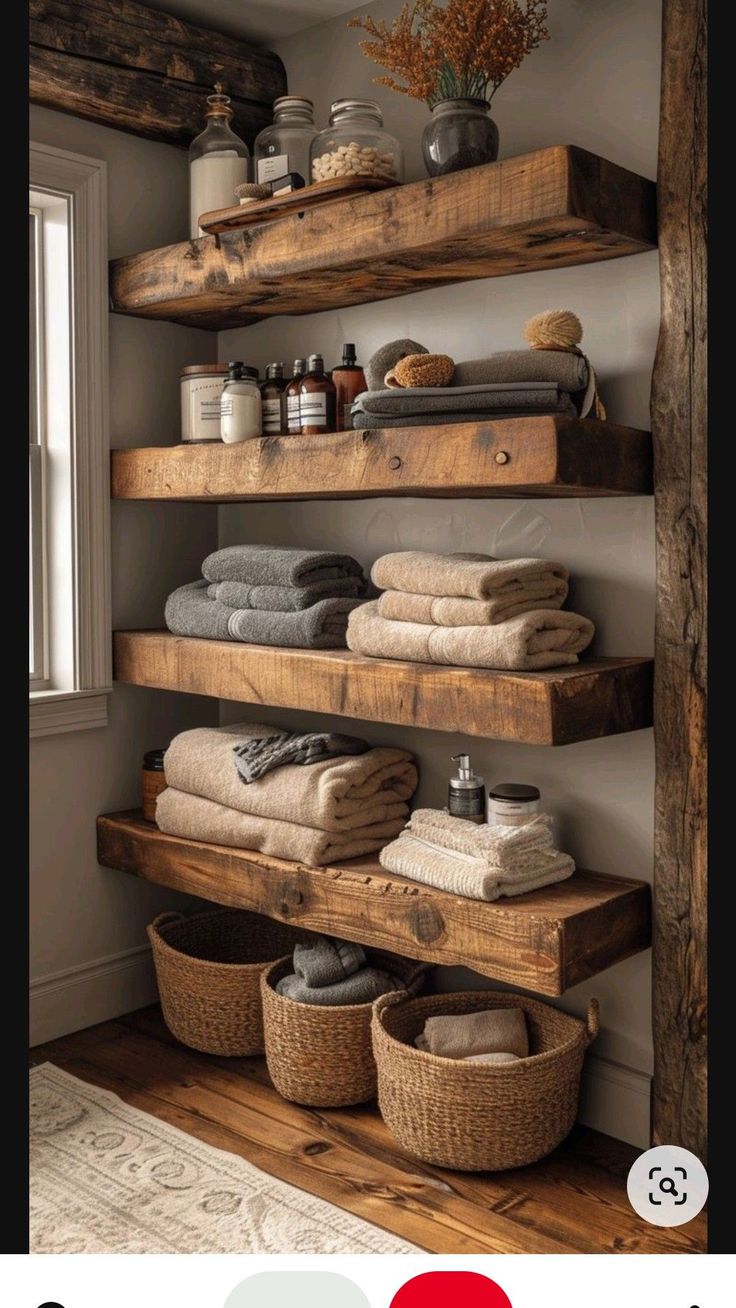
(594, 84)
(88, 957)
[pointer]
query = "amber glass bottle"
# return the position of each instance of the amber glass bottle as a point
(317, 400)
(349, 380)
(291, 397)
(272, 399)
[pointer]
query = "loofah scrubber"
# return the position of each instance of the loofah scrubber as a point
(386, 358)
(555, 329)
(422, 370)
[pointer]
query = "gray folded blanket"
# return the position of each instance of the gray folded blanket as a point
(254, 758)
(190, 612)
(326, 962)
(360, 988)
(563, 409)
(241, 595)
(278, 565)
(567, 369)
(418, 401)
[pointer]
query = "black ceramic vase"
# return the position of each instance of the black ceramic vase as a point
(460, 134)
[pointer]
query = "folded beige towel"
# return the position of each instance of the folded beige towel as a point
(194, 818)
(535, 641)
(455, 611)
(338, 794)
(492, 1058)
(513, 853)
(476, 576)
(461, 874)
(491, 1031)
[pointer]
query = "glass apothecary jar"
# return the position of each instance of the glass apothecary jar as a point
(356, 145)
(284, 146)
(218, 162)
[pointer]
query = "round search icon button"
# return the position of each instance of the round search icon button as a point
(667, 1186)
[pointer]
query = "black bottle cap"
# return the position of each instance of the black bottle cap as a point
(349, 356)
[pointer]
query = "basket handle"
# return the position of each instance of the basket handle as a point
(593, 1022)
(386, 1001)
(163, 919)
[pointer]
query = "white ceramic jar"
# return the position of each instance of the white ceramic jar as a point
(201, 389)
(511, 805)
(240, 405)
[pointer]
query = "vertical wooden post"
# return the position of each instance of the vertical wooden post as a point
(679, 432)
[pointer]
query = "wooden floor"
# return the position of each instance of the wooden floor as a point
(573, 1202)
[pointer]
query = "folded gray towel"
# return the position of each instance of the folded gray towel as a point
(322, 626)
(411, 406)
(278, 565)
(360, 988)
(259, 755)
(325, 962)
(564, 408)
(568, 369)
(386, 357)
(189, 612)
(285, 599)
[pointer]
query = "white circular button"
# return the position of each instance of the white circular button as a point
(667, 1186)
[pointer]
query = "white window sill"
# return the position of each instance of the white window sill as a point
(51, 712)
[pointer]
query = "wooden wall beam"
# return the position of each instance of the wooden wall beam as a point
(679, 1114)
(119, 63)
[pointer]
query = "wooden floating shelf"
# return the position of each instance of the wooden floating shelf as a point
(553, 208)
(599, 697)
(545, 456)
(545, 941)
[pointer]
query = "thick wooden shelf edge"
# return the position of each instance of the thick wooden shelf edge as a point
(553, 208)
(544, 456)
(598, 697)
(546, 941)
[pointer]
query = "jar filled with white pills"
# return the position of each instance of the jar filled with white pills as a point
(356, 145)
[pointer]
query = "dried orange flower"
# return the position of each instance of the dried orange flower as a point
(463, 50)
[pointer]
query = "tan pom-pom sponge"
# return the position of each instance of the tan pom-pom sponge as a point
(555, 329)
(421, 370)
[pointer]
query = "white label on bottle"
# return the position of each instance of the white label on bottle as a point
(272, 417)
(313, 409)
(293, 413)
(275, 166)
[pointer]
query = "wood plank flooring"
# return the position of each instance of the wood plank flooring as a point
(573, 1202)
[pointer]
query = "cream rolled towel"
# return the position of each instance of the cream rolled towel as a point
(543, 638)
(338, 794)
(492, 1058)
(474, 576)
(491, 1031)
(194, 818)
(454, 611)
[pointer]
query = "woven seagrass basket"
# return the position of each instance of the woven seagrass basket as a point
(208, 968)
(478, 1117)
(322, 1056)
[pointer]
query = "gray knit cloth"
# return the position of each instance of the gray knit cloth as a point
(360, 988)
(255, 757)
(277, 565)
(285, 599)
(326, 962)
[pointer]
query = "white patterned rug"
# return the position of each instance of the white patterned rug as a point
(107, 1178)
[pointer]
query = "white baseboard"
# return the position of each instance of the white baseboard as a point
(615, 1099)
(80, 996)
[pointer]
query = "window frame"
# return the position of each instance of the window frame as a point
(38, 674)
(73, 695)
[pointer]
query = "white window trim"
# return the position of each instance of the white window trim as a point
(85, 704)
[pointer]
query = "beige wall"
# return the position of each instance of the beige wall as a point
(88, 960)
(602, 791)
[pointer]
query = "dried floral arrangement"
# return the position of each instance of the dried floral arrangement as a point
(462, 50)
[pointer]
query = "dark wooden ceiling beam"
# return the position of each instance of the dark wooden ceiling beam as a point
(122, 64)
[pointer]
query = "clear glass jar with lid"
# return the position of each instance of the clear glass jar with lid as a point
(284, 146)
(356, 145)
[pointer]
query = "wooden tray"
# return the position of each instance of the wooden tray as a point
(280, 206)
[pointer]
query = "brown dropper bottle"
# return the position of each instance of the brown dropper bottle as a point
(349, 380)
(317, 401)
(291, 396)
(272, 401)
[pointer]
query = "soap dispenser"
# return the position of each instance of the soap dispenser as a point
(466, 794)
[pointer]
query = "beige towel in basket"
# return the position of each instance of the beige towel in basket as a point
(491, 1031)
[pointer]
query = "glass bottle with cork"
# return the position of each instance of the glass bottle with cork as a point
(272, 400)
(291, 396)
(317, 399)
(350, 382)
(218, 162)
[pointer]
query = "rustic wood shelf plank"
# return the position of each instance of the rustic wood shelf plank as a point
(599, 697)
(550, 209)
(545, 456)
(545, 941)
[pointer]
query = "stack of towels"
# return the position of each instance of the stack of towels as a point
(494, 1035)
(469, 610)
(513, 383)
(315, 807)
(335, 972)
(270, 595)
(476, 861)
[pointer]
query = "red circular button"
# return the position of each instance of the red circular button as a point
(439, 1289)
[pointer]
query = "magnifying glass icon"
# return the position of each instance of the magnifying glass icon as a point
(667, 1186)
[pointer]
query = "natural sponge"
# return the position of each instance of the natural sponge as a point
(386, 358)
(555, 329)
(422, 370)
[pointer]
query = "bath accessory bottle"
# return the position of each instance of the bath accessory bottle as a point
(512, 805)
(240, 405)
(291, 395)
(317, 399)
(349, 380)
(272, 397)
(465, 795)
(218, 162)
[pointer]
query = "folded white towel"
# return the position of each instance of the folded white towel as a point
(462, 874)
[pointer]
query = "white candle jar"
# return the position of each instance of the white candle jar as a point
(511, 805)
(240, 405)
(201, 389)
